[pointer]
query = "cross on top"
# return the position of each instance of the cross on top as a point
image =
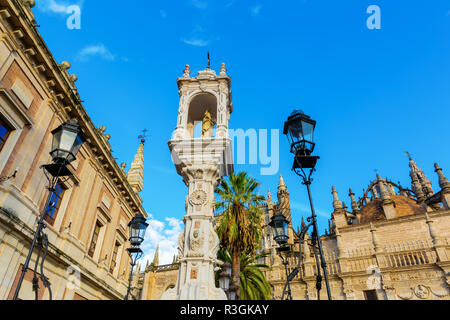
(407, 154)
(143, 135)
(209, 61)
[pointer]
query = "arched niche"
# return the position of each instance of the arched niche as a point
(198, 104)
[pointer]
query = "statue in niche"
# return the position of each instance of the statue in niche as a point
(207, 125)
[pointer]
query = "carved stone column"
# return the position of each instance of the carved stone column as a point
(202, 162)
(199, 243)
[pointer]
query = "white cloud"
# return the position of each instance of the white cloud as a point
(256, 10)
(199, 4)
(165, 234)
(98, 50)
(196, 42)
(57, 6)
(229, 4)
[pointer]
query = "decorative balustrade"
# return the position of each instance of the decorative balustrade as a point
(409, 253)
(166, 267)
(360, 259)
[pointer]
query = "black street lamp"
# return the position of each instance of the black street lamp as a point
(280, 226)
(137, 226)
(299, 129)
(67, 141)
(225, 277)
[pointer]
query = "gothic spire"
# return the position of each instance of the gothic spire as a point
(354, 204)
(269, 197)
(422, 181)
(417, 187)
(281, 184)
(136, 172)
(156, 257)
(384, 195)
(303, 223)
(443, 181)
(336, 202)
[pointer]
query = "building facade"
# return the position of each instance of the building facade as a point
(87, 220)
(392, 244)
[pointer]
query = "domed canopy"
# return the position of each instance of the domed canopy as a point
(404, 206)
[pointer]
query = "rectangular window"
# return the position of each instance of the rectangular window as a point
(112, 267)
(54, 204)
(5, 130)
(94, 240)
(370, 295)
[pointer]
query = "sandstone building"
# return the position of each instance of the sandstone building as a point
(392, 244)
(87, 223)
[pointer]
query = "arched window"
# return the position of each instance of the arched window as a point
(201, 104)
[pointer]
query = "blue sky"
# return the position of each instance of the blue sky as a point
(374, 93)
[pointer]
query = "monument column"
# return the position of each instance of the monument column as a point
(202, 162)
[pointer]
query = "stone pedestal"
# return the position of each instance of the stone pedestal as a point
(201, 163)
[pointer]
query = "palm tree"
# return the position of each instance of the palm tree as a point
(254, 285)
(239, 219)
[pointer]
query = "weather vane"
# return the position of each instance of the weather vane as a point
(143, 135)
(209, 61)
(407, 154)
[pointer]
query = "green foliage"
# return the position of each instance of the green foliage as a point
(239, 220)
(254, 285)
(238, 225)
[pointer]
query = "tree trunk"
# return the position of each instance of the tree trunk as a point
(236, 272)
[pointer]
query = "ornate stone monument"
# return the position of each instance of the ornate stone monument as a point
(202, 161)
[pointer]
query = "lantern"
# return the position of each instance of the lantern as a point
(67, 141)
(299, 129)
(279, 226)
(137, 226)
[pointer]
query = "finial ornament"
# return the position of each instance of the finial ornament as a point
(143, 135)
(443, 181)
(223, 69)
(65, 65)
(354, 204)
(281, 181)
(419, 180)
(209, 62)
(29, 3)
(336, 202)
(384, 195)
(187, 71)
(408, 155)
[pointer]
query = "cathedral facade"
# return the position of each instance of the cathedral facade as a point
(392, 244)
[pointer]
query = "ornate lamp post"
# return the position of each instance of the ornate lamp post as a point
(299, 129)
(67, 141)
(279, 226)
(137, 226)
